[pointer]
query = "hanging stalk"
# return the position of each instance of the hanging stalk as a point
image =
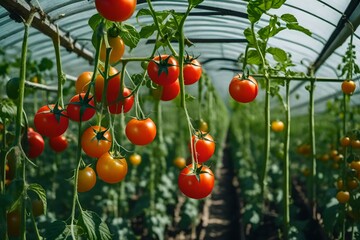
(61, 76)
(313, 149)
(286, 170)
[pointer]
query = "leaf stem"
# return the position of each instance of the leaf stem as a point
(61, 76)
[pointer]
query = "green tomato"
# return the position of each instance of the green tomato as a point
(12, 88)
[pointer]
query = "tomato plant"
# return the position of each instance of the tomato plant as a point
(36, 144)
(123, 105)
(140, 131)
(204, 147)
(163, 70)
(86, 179)
(277, 126)
(348, 87)
(197, 183)
(95, 141)
(116, 10)
(117, 51)
(192, 70)
(113, 88)
(81, 107)
(59, 143)
(51, 120)
(243, 90)
(82, 82)
(135, 159)
(111, 169)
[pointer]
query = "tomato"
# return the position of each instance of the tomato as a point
(135, 159)
(111, 169)
(355, 143)
(304, 149)
(123, 105)
(338, 157)
(355, 165)
(179, 162)
(277, 126)
(82, 82)
(325, 157)
(168, 92)
(78, 103)
(116, 10)
(202, 125)
(204, 147)
(51, 121)
(140, 131)
(117, 51)
(37, 207)
(163, 70)
(306, 172)
(12, 88)
(339, 184)
(343, 196)
(59, 143)
(352, 183)
(7, 174)
(13, 223)
(243, 90)
(190, 186)
(36, 144)
(345, 141)
(113, 88)
(95, 141)
(348, 87)
(192, 70)
(86, 179)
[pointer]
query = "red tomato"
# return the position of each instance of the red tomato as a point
(204, 147)
(141, 131)
(113, 88)
(59, 143)
(348, 87)
(96, 141)
(163, 70)
(111, 169)
(86, 179)
(36, 144)
(192, 71)
(243, 90)
(117, 49)
(50, 121)
(13, 223)
(167, 92)
(124, 105)
(191, 186)
(116, 10)
(79, 102)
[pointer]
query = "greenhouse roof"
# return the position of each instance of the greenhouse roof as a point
(216, 29)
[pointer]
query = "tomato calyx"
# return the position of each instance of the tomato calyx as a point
(188, 60)
(196, 171)
(242, 77)
(100, 135)
(202, 135)
(84, 103)
(57, 111)
(114, 31)
(163, 64)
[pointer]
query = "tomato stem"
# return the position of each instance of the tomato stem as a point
(61, 76)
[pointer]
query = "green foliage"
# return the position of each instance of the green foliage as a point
(93, 226)
(40, 192)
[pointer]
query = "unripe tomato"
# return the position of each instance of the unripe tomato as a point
(117, 51)
(12, 88)
(180, 162)
(135, 159)
(277, 126)
(348, 87)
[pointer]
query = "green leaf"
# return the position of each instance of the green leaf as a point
(297, 27)
(130, 35)
(40, 191)
(289, 18)
(57, 230)
(194, 3)
(7, 109)
(249, 36)
(94, 21)
(276, 4)
(46, 64)
(264, 33)
(147, 31)
(356, 68)
(253, 57)
(254, 13)
(94, 227)
(278, 54)
(143, 12)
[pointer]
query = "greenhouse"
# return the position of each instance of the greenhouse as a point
(187, 119)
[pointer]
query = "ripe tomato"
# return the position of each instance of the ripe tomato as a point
(167, 92)
(243, 90)
(13, 223)
(82, 82)
(204, 147)
(124, 105)
(79, 103)
(116, 10)
(51, 121)
(352, 183)
(163, 70)
(86, 179)
(95, 141)
(343, 196)
(179, 162)
(277, 126)
(348, 87)
(111, 169)
(339, 184)
(345, 141)
(36, 144)
(117, 51)
(113, 88)
(59, 143)
(191, 186)
(355, 165)
(192, 70)
(135, 159)
(37, 207)
(140, 131)
(355, 143)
